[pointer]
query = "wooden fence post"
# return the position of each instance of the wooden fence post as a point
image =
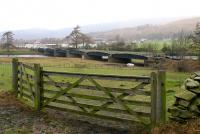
(38, 86)
(15, 65)
(153, 98)
(161, 97)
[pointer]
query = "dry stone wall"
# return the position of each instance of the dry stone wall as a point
(187, 104)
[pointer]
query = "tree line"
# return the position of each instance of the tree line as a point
(75, 38)
(181, 44)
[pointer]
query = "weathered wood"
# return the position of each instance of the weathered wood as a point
(138, 122)
(137, 113)
(20, 82)
(21, 72)
(131, 91)
(28, 83)
(30, 87)
(64, 91)
(27, 66)
(104, 77)
(38, 87)
(27, 96)
(99, 98)
(25, 89)
(153, 98)
(161, 100)
(112, 98)
(15, 76)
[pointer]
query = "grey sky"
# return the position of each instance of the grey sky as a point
(54, 14)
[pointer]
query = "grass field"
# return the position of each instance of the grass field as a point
(17, 52)
(76, 65)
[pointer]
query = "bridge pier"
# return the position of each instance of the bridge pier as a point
(67, 53)
(117, 60)
(54, 53)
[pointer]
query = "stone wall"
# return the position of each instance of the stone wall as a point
(187, 104)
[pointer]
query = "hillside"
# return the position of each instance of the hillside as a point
(128, 30)
(38, 33)
(150, 31)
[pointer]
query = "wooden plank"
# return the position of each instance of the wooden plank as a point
(28, 83)
(100, 98)
(27, 90)
(27, 96)
(20, 81)
(38, 87)
(27, 66)
(104, 77)
(30, 87)
(139, 113)
(131, 91)
(112, 97)
(162, 98)
(15, 76)
(104, 117)
(75, 103)
(153, 98)
(64, 91)
(29, 76)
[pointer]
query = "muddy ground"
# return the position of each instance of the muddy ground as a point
(16, 118)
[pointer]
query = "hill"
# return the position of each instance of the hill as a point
(28, 34)
(149, 31)
(128, 30)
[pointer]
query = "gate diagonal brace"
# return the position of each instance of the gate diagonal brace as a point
(112, 97)
(64, 91)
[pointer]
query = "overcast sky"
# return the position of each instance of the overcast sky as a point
(55, 14)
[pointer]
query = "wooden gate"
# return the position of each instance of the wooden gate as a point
(139, 99)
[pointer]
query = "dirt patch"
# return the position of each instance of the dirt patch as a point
(17, 118)
(8, 99)
(191, 127)
(181, 65)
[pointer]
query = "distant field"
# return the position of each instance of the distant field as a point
(91, 66)
(17, 52)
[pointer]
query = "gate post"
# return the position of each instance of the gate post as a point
(38, 85)
(153, 98)
(15, 65)
(161, 96)
(158, 97)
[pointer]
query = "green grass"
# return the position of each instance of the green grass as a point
(17, 52)
(140, 61)
(174, 79)
(5, 76)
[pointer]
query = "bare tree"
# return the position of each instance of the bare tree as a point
(179, 45)
(196, 40)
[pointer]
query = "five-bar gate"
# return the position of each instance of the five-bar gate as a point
(140, 99)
